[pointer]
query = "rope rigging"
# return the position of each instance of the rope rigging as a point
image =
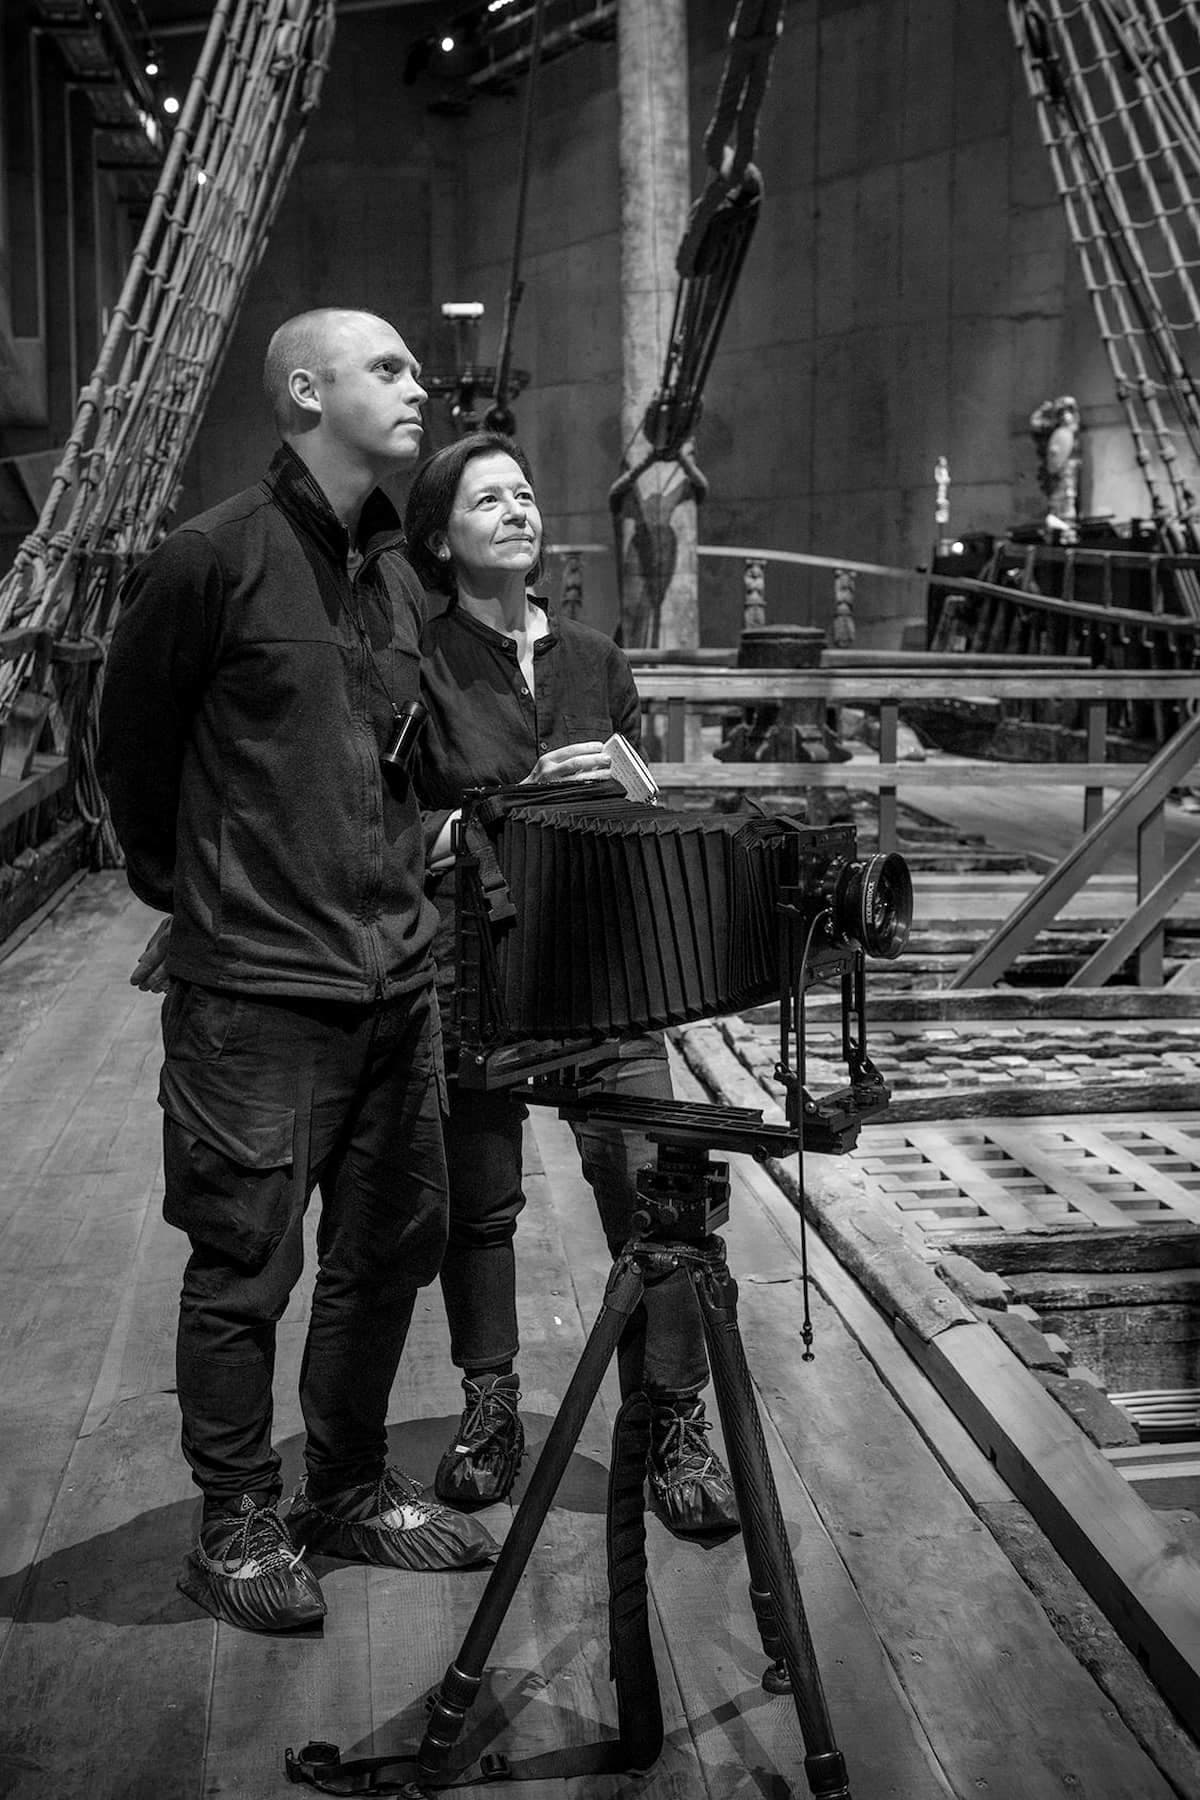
(1114, 88)
(709, 261)
(257, 80)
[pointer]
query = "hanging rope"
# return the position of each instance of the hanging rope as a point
(709, 261)
(257, 80)
(499, 416)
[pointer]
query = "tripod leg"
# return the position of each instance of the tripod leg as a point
(774, 1585)
(460, 1684)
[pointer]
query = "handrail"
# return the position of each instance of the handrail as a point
(1132, 811)
(1139, 807)
(25, 640)
(711, 687)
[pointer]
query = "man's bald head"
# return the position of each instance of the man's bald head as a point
(302, 343)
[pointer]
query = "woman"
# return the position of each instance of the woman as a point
(516, 693)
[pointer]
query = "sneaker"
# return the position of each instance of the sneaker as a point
(246, 1570)
(481, 1464)
(389, 1523)
(689, 1484)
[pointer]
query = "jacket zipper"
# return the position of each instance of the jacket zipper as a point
(374, 876)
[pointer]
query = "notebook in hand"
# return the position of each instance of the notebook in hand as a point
(629, 769)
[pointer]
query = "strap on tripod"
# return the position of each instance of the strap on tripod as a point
(639, 1708)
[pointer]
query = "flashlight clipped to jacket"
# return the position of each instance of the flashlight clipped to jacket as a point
(408, 722)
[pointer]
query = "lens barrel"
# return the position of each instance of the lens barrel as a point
(873, 905)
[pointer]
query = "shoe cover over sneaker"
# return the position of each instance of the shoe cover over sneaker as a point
(389, 1523)
(245, 1570)
(481, 1464)
(689, 1484)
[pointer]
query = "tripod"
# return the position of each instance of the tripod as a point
(684, 1197)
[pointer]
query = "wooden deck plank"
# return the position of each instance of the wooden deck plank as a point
(927, 1571)
(1126, 1556)
(118, 1688)
(719, 1671)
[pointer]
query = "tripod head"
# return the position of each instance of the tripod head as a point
(684, 1196)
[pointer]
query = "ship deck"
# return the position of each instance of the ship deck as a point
(947, 1629)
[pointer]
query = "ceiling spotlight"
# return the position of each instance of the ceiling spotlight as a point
(171, 105)
(447, 44)
(152, 68)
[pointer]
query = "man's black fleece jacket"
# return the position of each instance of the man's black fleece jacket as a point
(248, 695)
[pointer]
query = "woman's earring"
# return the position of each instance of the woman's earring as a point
(444, 554)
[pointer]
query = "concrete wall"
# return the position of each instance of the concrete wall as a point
(911, 291)
(353, 229)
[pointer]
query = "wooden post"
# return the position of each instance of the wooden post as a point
(1095, 714)
(889, 720)
(660, 605)
(1151, 858)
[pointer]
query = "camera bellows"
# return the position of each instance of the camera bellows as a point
(629, 916)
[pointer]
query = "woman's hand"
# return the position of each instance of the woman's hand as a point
(571, 762)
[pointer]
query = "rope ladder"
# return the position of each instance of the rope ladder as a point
(257, 80)
(1114, 86)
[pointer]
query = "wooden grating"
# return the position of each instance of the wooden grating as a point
(1020, 1175)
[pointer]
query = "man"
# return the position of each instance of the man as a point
(257, 673)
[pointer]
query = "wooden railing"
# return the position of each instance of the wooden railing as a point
(670, 694)
(27, 778)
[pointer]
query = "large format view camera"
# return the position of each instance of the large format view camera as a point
(584, 917)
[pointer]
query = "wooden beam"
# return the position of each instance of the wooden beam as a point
(736, 687)
(47, 776)
(1146, 795)
(937, 772)
(1129, 1559)
(24, 640)
(947, 1005)
(1148, 917)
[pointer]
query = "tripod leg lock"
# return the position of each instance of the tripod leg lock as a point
(447, 1715)
(827, 1776)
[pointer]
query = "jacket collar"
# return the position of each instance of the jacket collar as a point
(293, 487)
(497, 639)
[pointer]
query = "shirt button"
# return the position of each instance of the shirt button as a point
(524, 693)
(543, 744)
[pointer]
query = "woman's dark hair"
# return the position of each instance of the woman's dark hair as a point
(431, 501)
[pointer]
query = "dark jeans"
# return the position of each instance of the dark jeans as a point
(483, 1156)
(266, 1100)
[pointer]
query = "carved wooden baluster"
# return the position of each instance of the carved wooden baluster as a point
(842, 631)
(754, 595)
(572, 584)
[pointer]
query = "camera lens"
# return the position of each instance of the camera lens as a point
(873, 904)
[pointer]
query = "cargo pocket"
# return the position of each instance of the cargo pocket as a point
(229, 1161)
